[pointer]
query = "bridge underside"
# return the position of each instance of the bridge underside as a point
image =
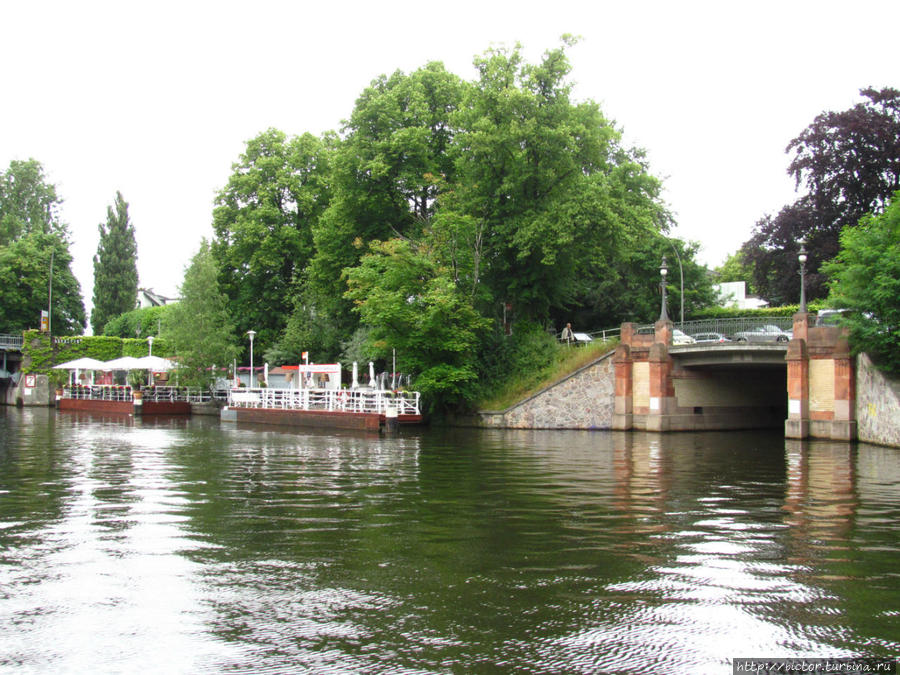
(714, 396)
(805, 386)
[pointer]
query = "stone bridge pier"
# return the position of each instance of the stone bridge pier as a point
(808, 388)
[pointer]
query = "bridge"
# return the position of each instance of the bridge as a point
(806, 383)
(9, 362)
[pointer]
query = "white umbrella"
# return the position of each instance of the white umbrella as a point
(355, 375)
(84, 363)
(371, 374)
(155, 363)
(124, 363)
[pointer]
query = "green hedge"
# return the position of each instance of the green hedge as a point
(733, 312)
(41, 355)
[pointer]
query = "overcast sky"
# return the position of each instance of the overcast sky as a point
(158, 99)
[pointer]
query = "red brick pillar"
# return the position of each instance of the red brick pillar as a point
(844, 424)
(663, 330)
(623, 411)
(802, 322)
(797, 357)
(662, 390)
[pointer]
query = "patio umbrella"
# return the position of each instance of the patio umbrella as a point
(84, 363)
(155, 363)
(124, 363)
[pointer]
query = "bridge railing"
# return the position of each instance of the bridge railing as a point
(726, 327)
(729, 327)
(11, 341)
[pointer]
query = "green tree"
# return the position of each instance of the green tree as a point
(25, 285)
(396, 141)
(115, 267)
(28, 203)
(411, 305)
(865, 278)
(141, 322)
(545, 198)
(735, 268)
(849, 164)
(263, 223)
(34, 241)
(200, 326)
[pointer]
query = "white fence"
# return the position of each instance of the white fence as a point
(113, 392)
(340, 400)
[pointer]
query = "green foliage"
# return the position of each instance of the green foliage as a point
(41, 352)
(865, 278)
(263, 223)
(31, 237)
(28, 203)
(499, 194)
(142, 322)
(25, 266)
(734, 312)
(397, 140)
(528, 360)
(200, 327)
(412, 306)
(849, 163)
(735, 268)
(115, 267)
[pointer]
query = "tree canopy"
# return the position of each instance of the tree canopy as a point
(865, 279)
(442, 206)
(849, 164)
(115, 267)
(34, 248)
(263, 223)
(200, 325)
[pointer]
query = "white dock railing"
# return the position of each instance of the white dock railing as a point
(113, 392)
(340, 400)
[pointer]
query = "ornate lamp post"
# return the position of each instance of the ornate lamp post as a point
(663, 271)
(252, 334)
(801, 256)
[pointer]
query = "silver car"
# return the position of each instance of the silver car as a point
(768, 333)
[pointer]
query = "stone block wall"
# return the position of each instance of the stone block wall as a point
(583, 400)
(877, 405)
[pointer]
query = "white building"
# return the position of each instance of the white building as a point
(734, 294)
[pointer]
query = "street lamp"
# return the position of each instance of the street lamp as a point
(251, 333)
(681, 271)
(663, 271)
(801, 256)
(150, 340)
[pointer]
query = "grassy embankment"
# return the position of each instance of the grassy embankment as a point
(564, 361)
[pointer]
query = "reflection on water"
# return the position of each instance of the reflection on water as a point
(182, 545)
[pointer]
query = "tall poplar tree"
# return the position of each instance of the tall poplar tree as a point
(115, 267)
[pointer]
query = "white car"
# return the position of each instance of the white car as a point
(680, 338)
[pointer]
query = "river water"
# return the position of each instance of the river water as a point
(190, 546)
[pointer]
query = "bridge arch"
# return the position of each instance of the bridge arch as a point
(805, 386)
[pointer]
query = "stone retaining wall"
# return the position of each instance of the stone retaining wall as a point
(877, 405)
(582, 400)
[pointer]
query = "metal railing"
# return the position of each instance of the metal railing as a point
(729, 327)
(339, 400)
(98, 392)
(726, 327)
(11, 341)
(117, 392)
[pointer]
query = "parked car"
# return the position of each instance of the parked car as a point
(680, 338)
(710, 337)
(766, 333)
